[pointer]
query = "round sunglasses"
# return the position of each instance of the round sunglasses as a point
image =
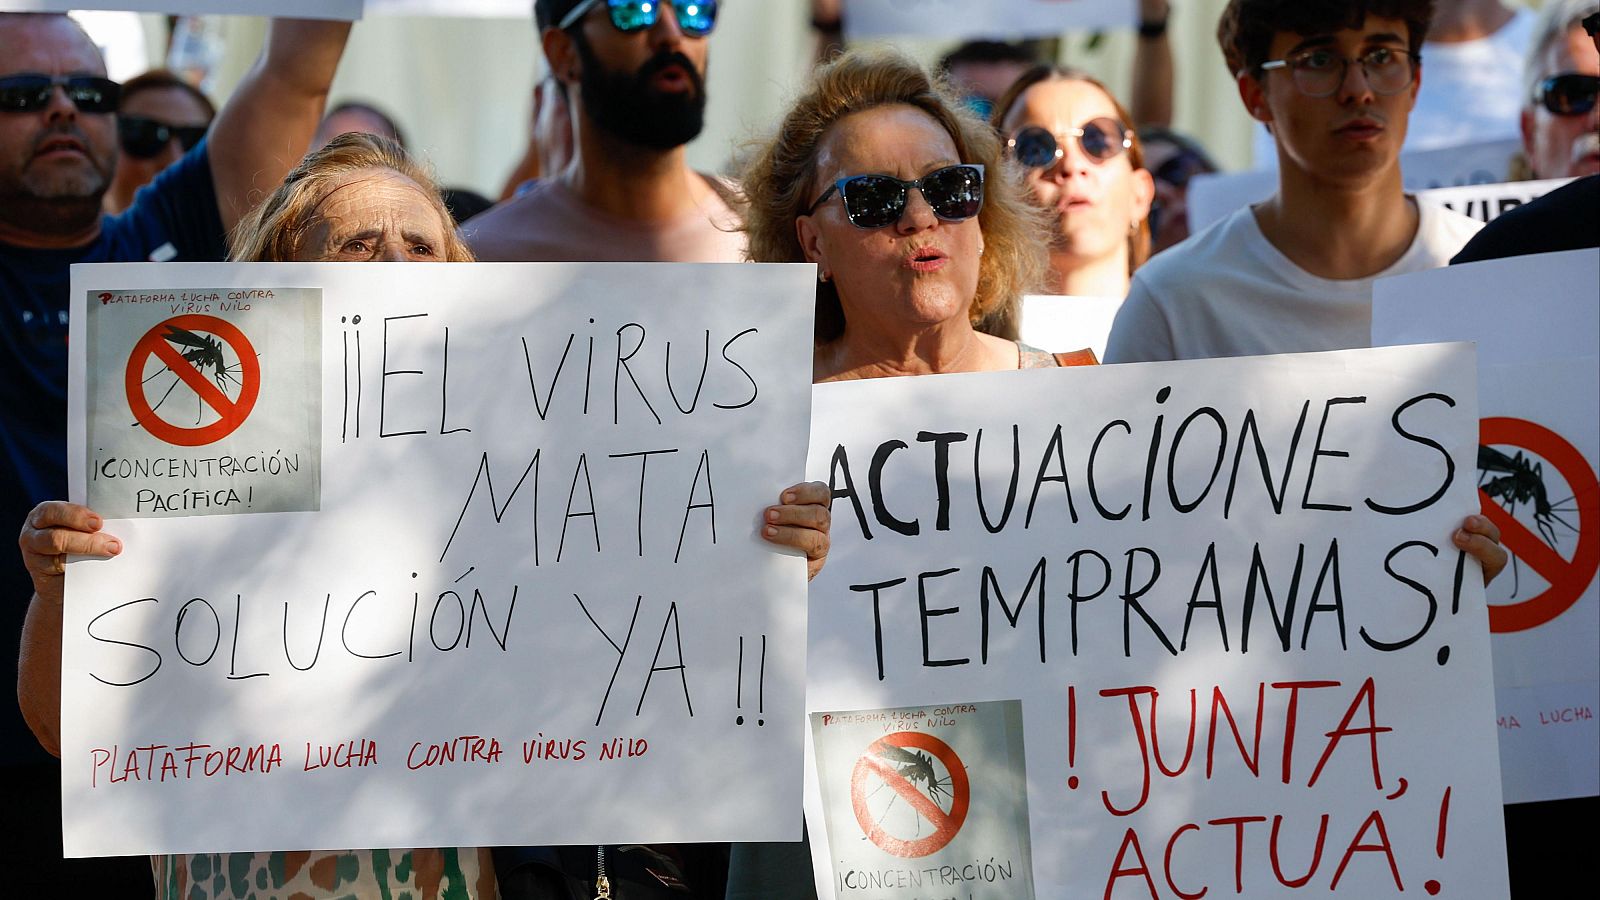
(696, 18)
(1569, 94)
(873, 201)
(30, 92)
(1100, 139)
(143, 138)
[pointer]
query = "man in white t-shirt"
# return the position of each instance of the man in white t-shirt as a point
(634, 76)
(1294, 273)
(1473, 91)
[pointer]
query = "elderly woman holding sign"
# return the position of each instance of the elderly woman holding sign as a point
(359, 198)
(914, 219)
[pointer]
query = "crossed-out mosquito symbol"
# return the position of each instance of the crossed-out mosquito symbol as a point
(206, 354)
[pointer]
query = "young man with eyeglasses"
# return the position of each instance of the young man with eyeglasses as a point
(634, 76)
(1474, 89)
(1567, 218)
(58, 146)
(1334, 80)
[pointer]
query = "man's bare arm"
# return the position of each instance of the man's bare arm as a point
(267, 125)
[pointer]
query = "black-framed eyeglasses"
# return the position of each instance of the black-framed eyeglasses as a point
(1320, 73)
(142, 138)
(1568, 94)
(1100, 139)
(30, 92)
(696, 18)
(873, 201)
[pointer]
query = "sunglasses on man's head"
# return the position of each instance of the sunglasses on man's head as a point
(696, 18)
(143, 138)
(1100, 139)
(30, 92)
(873, 201)
(1570, 94)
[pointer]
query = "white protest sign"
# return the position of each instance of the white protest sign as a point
(1213, 196)
(488, 9)
(1538, 334)
(989, 19)
(1486, 202)
(1023, 562)
(301, 9)
(529, 578)
(1059, 324)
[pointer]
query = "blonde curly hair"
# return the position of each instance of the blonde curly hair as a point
(275, 228)
(780, 182)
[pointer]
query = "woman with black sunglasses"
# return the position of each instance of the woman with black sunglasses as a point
(915, 221)
(1085, 168)
(160, 118)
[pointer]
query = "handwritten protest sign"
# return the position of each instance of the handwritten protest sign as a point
(990, 19)
(1213, 197)
(302, 9)
(1068, 323)
(1486, 202)
(1536, 471)
(1031, 559)
(500, 600)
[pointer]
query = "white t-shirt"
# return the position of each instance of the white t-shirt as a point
(1228, 291)
(1471, 92)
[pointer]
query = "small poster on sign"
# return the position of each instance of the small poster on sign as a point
(918, 788)
(204, 402)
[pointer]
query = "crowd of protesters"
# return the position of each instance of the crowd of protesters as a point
(930, 203)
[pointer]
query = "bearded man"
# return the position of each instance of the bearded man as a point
(633, 72)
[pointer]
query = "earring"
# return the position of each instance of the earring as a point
(822, 277)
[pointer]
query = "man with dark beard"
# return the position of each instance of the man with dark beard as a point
(58, 146)
(634, 76)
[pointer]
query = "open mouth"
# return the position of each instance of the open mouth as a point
(672, 78)
(926, 260)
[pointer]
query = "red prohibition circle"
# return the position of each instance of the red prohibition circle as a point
(232, 413)
(946, 824)
(1567, 578)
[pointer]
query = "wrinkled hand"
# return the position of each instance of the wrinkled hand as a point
(801, 520)
(1481, 539)
(54, 529)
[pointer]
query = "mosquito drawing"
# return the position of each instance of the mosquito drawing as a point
(1522, 484)
(205, 354)
(917, 768)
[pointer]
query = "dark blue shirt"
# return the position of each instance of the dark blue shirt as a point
(173, 218)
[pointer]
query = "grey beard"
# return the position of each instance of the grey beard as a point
(49, 215)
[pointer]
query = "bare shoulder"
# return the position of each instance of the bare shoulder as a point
(509, 230)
